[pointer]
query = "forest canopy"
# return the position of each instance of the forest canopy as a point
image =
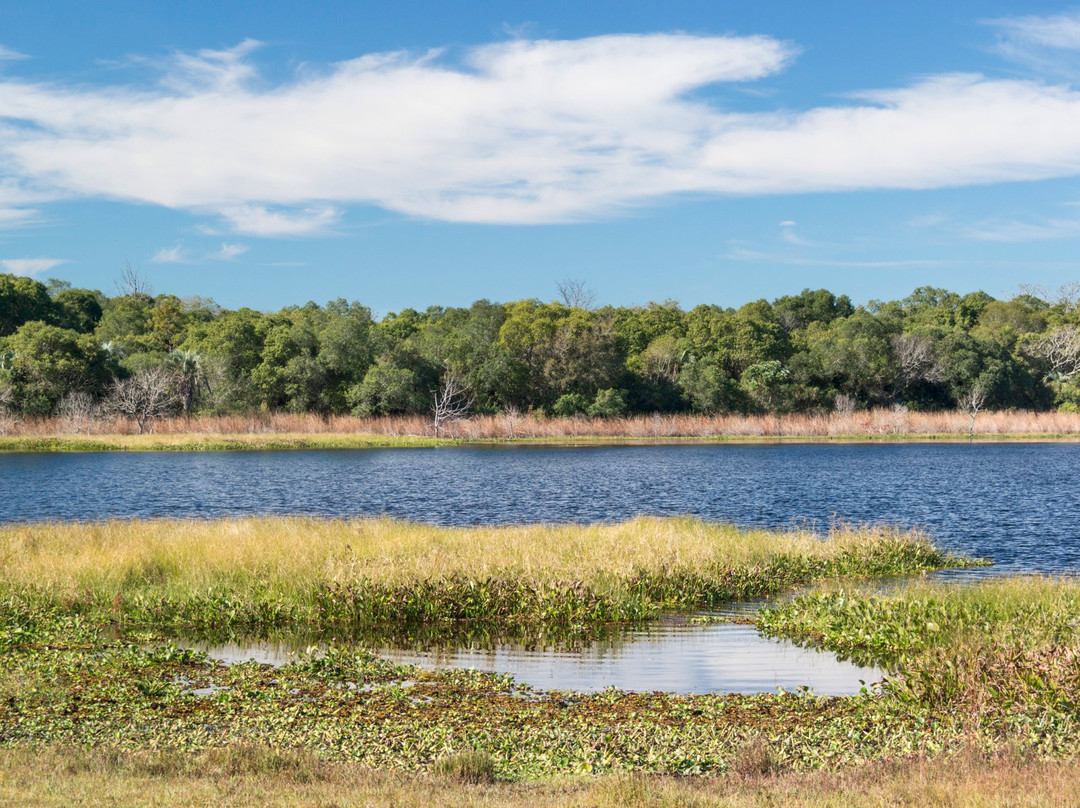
(810, 352)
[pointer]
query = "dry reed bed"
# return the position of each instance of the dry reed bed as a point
(869, 423)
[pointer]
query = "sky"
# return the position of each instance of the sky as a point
(412, 153)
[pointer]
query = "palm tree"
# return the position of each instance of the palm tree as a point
(191, 375)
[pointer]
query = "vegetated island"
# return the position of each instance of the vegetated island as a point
(100, 700)
(812, 365)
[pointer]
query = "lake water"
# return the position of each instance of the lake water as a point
(1017, 504)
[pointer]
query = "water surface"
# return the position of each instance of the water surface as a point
(1014, 503)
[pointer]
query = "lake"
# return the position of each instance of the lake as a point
(1017, 504)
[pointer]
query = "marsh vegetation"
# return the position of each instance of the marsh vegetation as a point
(982, 695)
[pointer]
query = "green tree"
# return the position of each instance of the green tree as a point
(45, 362)
(22, 300)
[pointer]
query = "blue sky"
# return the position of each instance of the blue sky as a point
(411, 153)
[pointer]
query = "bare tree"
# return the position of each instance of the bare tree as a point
(1060, 349)
(452, 402)
(511, 414)
(844, 403)
(1067, 295)
(915, 358)
(972, 402)
(149, 394)
(132, 283)
(77, 411)
(7, 413)
(576, 294)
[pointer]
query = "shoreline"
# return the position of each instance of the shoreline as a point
(226, 442)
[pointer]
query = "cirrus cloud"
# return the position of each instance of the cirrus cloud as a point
(516, 132)
(30, 267)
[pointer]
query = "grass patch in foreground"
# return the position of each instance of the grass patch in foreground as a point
(258, 574)
(247, 775)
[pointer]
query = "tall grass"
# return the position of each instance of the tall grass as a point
(869, 423)
(265, 571)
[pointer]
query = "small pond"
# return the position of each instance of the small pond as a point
(669, 655)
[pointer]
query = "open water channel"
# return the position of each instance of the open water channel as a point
(1017, 504)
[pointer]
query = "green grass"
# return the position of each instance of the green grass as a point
(212, 443)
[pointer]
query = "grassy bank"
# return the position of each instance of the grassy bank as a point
(283, 431)
(245, 776)
(263, 573)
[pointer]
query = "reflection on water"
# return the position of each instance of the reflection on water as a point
(667, 655)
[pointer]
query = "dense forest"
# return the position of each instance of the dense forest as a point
(143, 355)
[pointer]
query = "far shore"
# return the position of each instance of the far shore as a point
(278, 431)
(239, 442)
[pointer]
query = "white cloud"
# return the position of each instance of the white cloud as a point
(169, 255)
(9, 54)
(519, 132)
(230, 251)
(788, 223)
(30, 266)
(258, 221)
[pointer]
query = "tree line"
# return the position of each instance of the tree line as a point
(142, 355)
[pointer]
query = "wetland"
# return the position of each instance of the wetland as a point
(108, 610)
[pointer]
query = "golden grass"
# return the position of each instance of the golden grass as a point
(877, 423)
(293, 555)
(247, 776)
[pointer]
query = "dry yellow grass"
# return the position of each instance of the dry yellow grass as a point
(291, 556)
(246, 776)
(868, 423)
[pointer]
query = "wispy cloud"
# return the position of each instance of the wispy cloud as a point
(230, 251)
(169, 255)
(10, 217)
(1047, 44)
(7, 54)
(1054, 31)
(1020, 231)
(257, 220)
(30, 266)
(524, 131)
(754, 256)
(931, 219)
